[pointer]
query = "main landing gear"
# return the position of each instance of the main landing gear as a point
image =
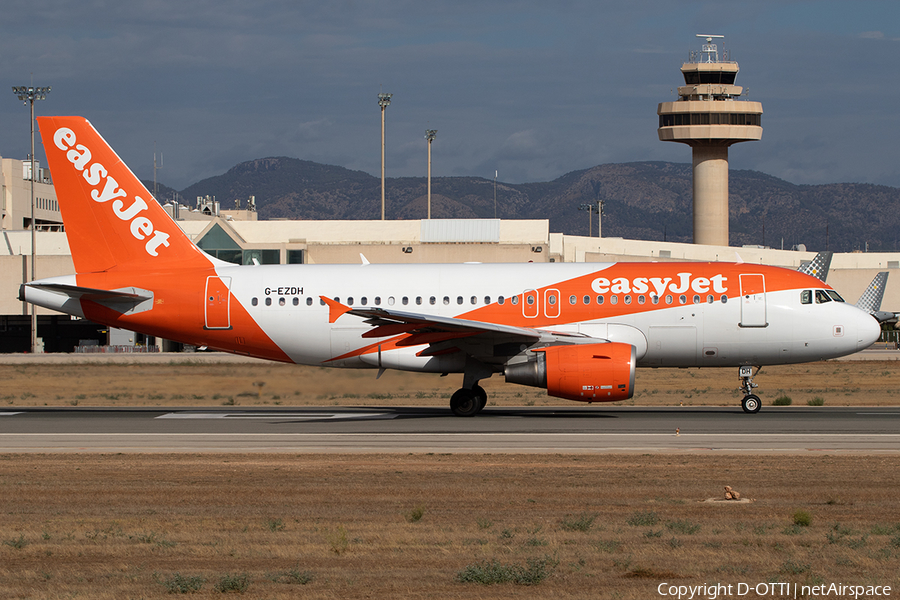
(751, 402)
(468, 402)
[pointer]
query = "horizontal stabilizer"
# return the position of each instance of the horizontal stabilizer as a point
(126, 300)
(83, 293)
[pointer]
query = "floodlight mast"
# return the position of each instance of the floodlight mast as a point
(430, 134)
(384, 100)
(28, 95)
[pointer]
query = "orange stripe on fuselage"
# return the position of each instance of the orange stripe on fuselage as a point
(178, 312)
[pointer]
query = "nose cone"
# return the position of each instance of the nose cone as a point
(867, 331)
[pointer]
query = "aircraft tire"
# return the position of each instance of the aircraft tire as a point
(482, 396)
(465, 403)
(751, 404)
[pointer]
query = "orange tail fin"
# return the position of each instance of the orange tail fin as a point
(111, 219)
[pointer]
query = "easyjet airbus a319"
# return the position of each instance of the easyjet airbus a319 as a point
(578, 330)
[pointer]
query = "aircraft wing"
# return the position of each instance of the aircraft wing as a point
(450, 333)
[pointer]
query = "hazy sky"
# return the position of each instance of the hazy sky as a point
(532, 89)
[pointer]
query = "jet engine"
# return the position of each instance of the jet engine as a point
(584, 372)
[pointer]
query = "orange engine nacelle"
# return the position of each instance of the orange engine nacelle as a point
(584, 372)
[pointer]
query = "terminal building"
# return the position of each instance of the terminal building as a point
(413, 241)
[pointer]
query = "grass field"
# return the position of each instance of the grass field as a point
(434, 526)
(185, 383)
(423, 526)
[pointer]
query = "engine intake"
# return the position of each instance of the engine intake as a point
(583, 372)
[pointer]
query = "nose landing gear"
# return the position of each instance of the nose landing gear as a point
(751, 402)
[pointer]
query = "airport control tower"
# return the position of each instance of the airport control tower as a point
(709, 118)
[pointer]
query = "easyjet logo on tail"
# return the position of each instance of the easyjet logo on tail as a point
(106, 188)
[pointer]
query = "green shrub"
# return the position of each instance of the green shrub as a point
(792, 568)
(181, 584)
(608, 546)
(233, 583)
(491, 572)
(685, 527)
(582, 522)
(643, 519)
(17, 543)
(817, 401)
(273, 524)
(294, 576)
(802, 518)
(782, 400)
(416, 514)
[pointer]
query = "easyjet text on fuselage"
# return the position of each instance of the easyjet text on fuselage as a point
(680, 284)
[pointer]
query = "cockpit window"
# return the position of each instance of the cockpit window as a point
(835, 296)
(806, 297)
(822, 297)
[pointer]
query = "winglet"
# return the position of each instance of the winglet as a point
(335, 308)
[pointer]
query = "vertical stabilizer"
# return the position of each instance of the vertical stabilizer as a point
(111, 219)
(870, 301)
(818, 266)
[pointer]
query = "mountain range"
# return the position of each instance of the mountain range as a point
(641, 200)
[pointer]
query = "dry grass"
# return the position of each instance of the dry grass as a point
(190, 384)
(124, 526)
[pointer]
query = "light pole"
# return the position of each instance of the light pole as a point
(28, 95)
(429, 135)
(384, 100)
(589, 208)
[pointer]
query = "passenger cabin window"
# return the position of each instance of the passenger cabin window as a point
(487, 299)
(822, 297)
(309, 301)
(254, 301)
(806, 297)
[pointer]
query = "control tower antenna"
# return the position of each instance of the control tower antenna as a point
(709, 117)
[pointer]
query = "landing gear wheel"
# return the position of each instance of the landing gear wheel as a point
(751, 403)
(482, 396)
(465, 403)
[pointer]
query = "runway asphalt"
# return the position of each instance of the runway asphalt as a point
(496, 430)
